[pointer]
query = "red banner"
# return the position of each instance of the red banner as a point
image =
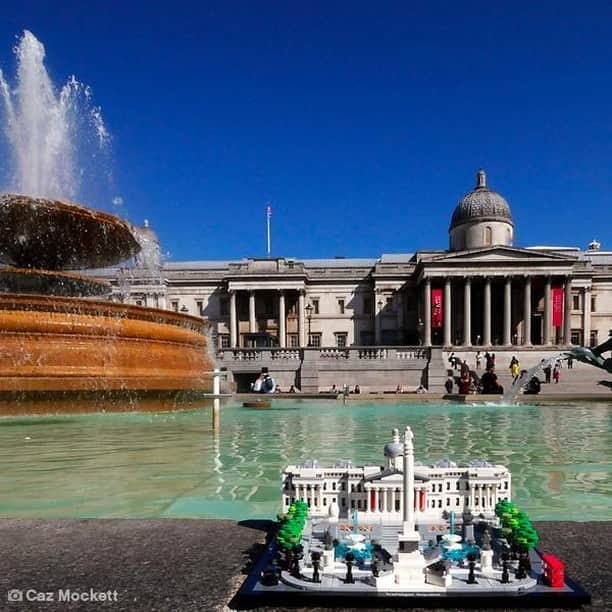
(557, 306)
(436, 307)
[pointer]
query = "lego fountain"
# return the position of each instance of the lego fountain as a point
(61, 349)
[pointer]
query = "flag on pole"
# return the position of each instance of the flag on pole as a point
(268, 216)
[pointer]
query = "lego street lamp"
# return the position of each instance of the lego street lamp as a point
(309, 310)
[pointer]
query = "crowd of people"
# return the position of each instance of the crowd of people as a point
(468, 381)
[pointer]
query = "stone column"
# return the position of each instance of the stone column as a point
(376, 499)
(508, 311)
(586, 316)
(486, 332)
(377, 318)
(427, 313)
(547, 311)
(301, 320)
(252, 323)
(527, 312)
(233, 321)
(282, 333)
(447, 313)
(467, 313)
(567, 311)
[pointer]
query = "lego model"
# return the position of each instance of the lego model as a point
(416, 533)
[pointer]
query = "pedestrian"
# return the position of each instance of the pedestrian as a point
(452, 359)
(570, 362)
(449, 384)
(514, 367)
(465, 369)
(478, 360)
(489, 363)
(547, 371)
(556, 374)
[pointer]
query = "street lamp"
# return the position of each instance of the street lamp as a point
(309, 310)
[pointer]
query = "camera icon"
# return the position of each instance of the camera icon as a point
(14, 595)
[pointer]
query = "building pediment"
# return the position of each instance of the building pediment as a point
(391, 477)
(503, 253)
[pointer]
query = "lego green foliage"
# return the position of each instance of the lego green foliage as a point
(292, 525)
(516, 525)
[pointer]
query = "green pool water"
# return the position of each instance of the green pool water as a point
(174, 465)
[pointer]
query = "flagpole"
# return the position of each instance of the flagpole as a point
(268, 215)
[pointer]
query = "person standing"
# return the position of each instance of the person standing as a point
(478, 360)
(556, 374)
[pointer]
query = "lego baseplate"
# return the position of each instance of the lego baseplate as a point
(332, 591)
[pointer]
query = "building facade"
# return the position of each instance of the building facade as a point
(480, 292)
(376, 492)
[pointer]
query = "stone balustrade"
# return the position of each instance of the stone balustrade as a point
(325, 354)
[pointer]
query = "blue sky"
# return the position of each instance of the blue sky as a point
(362, 123)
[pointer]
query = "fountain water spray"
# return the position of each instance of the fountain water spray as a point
(43, 126)
(526, 375)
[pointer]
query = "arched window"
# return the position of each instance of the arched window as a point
(509, 234)
(488, 237)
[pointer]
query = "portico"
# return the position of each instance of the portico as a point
(500, 296)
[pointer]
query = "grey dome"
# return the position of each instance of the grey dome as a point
(394, 449)
(481, 204)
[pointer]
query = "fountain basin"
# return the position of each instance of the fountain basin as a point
(56, 235)
(50, 282)
(59, 344)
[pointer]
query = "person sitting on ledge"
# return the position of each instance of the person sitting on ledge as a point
(489, 383)
(533, 386)
(421, 389)
(357, 390)
(291, 389)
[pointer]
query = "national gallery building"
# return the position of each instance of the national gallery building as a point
(481, 292)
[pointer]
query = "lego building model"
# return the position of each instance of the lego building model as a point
(416, 533)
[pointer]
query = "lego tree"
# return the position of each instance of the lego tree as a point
(516, 526)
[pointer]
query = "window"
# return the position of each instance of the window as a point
(577, 337)
(593, 303)
(341, 306)
(174, 305)
(224, 341)
(293, 340)
(593, 340)
(315, 306)
(488, 236)
(575, 302)
(341, 339)
(314, 340)
(268, 308)
(223, 307)
(367, 305)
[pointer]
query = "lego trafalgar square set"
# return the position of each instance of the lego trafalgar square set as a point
(434, 535)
